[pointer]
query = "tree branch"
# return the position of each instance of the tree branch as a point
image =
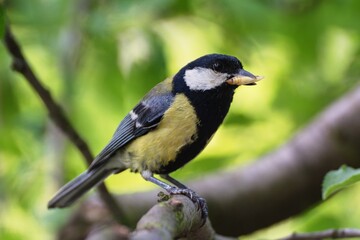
(280, 184)
(56, 113)
(331, 233)
(175, 218)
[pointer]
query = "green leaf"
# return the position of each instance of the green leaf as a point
(336, 180)
(2, 19)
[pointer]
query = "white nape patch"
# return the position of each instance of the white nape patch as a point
(204, 78)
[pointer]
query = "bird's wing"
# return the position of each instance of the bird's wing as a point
(142, 119)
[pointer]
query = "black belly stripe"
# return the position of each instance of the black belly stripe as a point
(211, 108)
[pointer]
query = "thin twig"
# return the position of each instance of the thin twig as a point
(330, 233)
(56, 113)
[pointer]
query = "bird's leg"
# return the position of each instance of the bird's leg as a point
(173, 181)
(148, 176)
(179, 189)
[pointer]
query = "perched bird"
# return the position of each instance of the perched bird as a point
(170, 126)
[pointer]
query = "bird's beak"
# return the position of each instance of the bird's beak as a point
(244, 78)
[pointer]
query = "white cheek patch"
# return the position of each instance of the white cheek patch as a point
(204, 78)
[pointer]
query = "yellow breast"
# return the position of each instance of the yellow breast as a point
(161, 145)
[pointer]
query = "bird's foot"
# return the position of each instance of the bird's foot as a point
(199, 201)
(163, 197)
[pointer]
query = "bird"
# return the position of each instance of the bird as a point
(168, 128)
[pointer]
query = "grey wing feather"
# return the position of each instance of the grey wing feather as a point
(143, 118)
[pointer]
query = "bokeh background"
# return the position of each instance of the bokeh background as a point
(98, 58)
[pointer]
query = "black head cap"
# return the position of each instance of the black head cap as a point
(218, 62)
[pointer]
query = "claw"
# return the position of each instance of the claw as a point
(180, 189)
(199, 201)
(162, 197)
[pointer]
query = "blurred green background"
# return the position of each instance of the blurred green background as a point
(98, 58)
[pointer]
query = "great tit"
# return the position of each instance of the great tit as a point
(169, 127)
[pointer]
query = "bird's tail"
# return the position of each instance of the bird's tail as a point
(78, 186)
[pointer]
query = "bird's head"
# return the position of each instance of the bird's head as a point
(212, 71)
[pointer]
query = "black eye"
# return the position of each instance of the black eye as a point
(218, 67)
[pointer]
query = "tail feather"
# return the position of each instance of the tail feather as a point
(79, 186)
